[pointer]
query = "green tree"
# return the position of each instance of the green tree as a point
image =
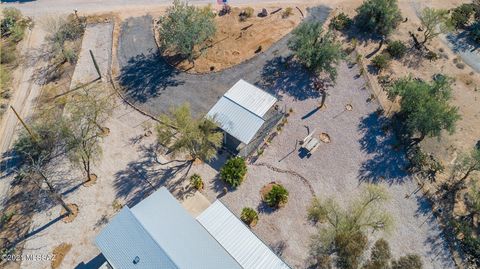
(200, 138)
(86, 114)
(465, 164)
(317, 51)
(380, 17)
(434, 22)
(425, 105)
(234, 171)
(345, 231)
(462, 15)
(184, 29)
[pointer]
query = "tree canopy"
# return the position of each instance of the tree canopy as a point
(200, 138)
(184, 29)
(380, 17)
(425, 105)
(316, 50)
(434, 22)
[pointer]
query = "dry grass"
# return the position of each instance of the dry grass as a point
(59, 253)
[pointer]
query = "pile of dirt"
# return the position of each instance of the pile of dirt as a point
(237, 41)
(59, 253)
(69, 217)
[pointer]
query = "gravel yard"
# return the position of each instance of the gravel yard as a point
(359, 152)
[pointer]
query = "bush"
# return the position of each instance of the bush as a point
(381, 61)
(277, 196)
(196, 181)
(396, 49)
(340, 22)
(316, 212)
(287, 12)
(410, 261)
(249, 216)
(11, 18)
(461, 15)
(8, 52)
(234, 171)
(4, 77)
(246, 13)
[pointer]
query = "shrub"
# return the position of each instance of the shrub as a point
(246, 13)
(340, 22)
(432, 56)
(249, 216)
(461, 15)
(316, 212)
(11, 18)
(196, 181)
(287, 12)
(8, 52)
(234, 171)
(277, 196)
(381, 61)
(396, 49)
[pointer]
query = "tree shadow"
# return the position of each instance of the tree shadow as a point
(462, 42)
(94, 263)
(284, 75)
(145, 76)
(141, 178)
(263, 207)
(387, 161)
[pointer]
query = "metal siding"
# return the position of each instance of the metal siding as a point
(238, 240)
(163, 235)
(251, 97)
(235, 120)
(124, 238)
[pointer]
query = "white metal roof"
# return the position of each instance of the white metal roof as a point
(163, 235)
(240, 111)
(249, 251)
(251, 97)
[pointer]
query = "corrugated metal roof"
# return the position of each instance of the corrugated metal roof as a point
(169, 234)
(238, 240)
(235, 120)
(251, 97)
(124, 238)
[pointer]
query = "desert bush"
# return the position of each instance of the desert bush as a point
(234, 171)
(396, 49)
(461, 15)
(248, 12)
(340, 22)
(277, 196)
(13, 24)
(196, 181)
(287, 12)
(316, 213)
(249, 216)
(381, 61)
(411, 261)
(8, 52)
(4, 76)
(379, 17)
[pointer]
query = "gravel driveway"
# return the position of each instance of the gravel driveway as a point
(155, 86)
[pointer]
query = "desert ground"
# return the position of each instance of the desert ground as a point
(359, 151)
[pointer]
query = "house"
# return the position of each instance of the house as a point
(159, 233)
(246, 114)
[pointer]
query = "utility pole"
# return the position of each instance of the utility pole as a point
(24, 124)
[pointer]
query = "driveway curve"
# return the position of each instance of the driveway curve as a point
(155, 86)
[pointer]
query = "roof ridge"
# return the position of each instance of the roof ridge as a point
(251, 112)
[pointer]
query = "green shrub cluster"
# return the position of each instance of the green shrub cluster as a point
(340, 22)
(277, 196)
(461, 15)
(396, 49)
(196, 181)
(234, 171)
(381, 61)
(249, 216)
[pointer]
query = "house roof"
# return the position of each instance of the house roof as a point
(161, 234)
(247, 249)
(240, 110)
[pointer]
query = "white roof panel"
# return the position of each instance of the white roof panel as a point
(250, 97)
(235, 120)
(244, 246)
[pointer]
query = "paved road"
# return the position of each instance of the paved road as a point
(155, 86)
(42, 7)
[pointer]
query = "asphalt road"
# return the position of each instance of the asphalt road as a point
(155, 86)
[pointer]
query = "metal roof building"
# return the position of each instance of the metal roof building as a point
(241, 109)
(237, 239)
(159, 233)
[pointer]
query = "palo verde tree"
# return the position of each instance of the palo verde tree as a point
(424, 106)
(182, 134)
(466, 164)
(184, 29)
(434, 22)
(37, 145)
(86, 114)
(343, 236)
(379, 17)
(316, 50)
